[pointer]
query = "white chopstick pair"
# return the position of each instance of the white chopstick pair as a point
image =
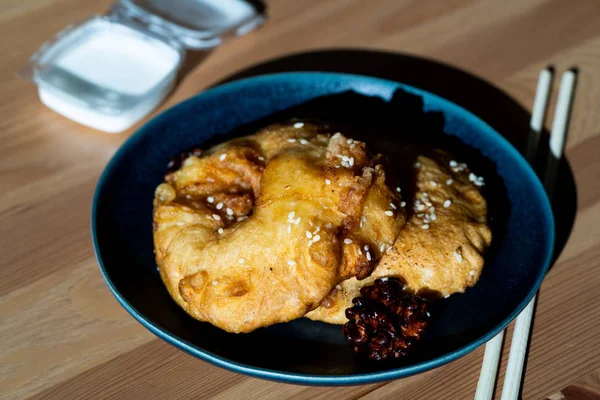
(518, 347)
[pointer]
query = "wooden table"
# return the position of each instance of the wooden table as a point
(63, 335)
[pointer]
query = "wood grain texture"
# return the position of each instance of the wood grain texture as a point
(585, 388)
(64, 336)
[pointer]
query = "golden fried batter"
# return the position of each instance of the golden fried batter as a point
(439, 250)
(260, 229)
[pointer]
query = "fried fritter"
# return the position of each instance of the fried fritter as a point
(440, 249)
(260, 229)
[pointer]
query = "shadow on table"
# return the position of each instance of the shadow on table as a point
(483, 99)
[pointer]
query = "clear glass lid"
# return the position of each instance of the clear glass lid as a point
(197, 24)
(111, 70)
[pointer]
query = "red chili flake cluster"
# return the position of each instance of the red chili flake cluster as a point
(385, 321)
(176, 162)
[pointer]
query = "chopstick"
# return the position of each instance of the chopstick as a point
(491, 357)
(538, 114)
(518, 347)
(487, 377)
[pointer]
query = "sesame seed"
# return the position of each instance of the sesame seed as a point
(219, 206)
(458, 256)
(446, 296)
(222, 156)
(427, 313)
(241, 261)
(336, 135)
(292, 140)
(420, 215)
(388, 249)
(215, 216)
(420, 207)
(426, 220)
(453, 163)
(431, 209)
(402, 204)
(433, 183)
(393, 206)
(351, 161)
(382, 247)
(366, 247)
(210, 199)
(210, 180)
(303, 141)
(289, 228)
(261, 158)
(327, 182)
(345, 164)
(426, 226)
(329, 225)
(363, 218)
(291, 262)
(368, 256)
(348, 241)
(338, 287)
(318, 229)
(188, 196)
(398, 189)
(215, 282)
(349, 141)
(471, 272)
(433, 217)
(298, 125)
(345, 158)
(316, 238)
(244, 217)
(447, 203)
(308, 235)
(449, 182)
(220, 231)
(389, 213)
(229, 211)
(417, 164)
(291, 215)
(297, 221)
(472, 177)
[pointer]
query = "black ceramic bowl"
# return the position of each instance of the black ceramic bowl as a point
(386, 115)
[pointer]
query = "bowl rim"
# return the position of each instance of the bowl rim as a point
(314, 379)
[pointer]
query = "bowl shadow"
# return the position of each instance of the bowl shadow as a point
(303, 346)
(480, 97)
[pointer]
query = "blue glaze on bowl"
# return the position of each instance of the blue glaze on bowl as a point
(304, 351)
